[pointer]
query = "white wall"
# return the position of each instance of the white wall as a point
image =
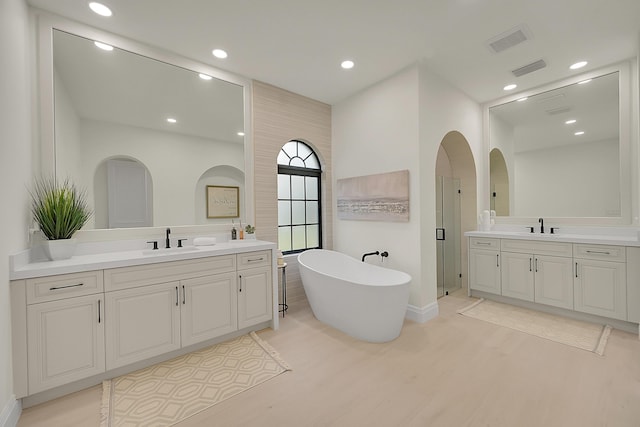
(68, 130)
(374, 132)
(568, 181)
(15, 171)
(397, 124)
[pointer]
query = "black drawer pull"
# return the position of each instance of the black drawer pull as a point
(55, 288)
(99, 311)
(255, 259)
(599, 252)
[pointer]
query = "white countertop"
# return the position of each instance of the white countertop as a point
(99, 261)
(625, 239)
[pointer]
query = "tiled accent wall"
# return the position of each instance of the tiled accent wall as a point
(280, 116)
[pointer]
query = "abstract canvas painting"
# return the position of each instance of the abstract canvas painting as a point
(380, 197)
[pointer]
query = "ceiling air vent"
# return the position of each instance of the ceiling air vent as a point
(558, 110)
(508, 39)
(529, 68)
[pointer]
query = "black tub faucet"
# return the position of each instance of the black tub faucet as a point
(541, 221)
(370, 253)
(167, 242)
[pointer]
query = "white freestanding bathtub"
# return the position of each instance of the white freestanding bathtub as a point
(363, 300)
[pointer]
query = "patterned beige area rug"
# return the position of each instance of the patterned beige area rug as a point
(583, 335)
(169, 392)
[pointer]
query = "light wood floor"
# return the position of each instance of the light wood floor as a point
(451, 371)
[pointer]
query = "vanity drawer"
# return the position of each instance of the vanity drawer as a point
(142, 275)
(254, 259)
(538, 247)
(51, 288)
(600, 252)
(484, 243)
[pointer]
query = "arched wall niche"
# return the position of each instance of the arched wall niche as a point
(222, 175)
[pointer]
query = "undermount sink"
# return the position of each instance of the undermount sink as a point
(170, 251)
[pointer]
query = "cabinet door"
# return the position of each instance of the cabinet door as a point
(209, 307)
(142, 323)
(65, 341)
(484, 271)
(254, 296)
(601, 288)
(517, 275)
(553, 281)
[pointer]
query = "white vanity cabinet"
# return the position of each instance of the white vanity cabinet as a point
(209, 307)
(154, 309)
(65, 327)
(142, 322)
(538, 271)
(484, 264)
(129, 310)
(255, 304)
(600, 282)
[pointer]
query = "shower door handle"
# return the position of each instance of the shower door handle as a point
(440, 234)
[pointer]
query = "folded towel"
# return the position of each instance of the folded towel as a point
(204, 241)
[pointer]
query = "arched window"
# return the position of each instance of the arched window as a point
(299, 207)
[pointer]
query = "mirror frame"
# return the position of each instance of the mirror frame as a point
(628, 151)
(46, 23)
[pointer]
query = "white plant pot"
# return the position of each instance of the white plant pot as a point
(60, 249)
(250, 236)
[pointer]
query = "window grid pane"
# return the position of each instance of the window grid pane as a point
(284, 186)
(297, 187)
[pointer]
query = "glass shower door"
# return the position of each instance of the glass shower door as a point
(448, 234)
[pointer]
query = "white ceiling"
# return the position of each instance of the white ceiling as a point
(298, 44)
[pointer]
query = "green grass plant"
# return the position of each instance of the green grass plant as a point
(59, 208)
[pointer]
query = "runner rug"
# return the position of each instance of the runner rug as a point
(587, 336)
(169, 392)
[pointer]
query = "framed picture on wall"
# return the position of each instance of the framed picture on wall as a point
(223, 201)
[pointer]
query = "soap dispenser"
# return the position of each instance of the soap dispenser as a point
(234, 232)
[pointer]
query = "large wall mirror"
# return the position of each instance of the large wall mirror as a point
(143, 131)
(563, 152)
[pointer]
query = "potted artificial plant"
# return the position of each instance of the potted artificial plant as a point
(60, 209)
(250, 230)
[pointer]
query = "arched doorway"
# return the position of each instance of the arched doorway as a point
(499, 183)
(456, 207)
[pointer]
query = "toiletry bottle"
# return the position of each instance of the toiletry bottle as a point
(233, 232)
(240, 232)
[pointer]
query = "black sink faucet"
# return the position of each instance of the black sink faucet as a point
(541, 221)
(167, 242)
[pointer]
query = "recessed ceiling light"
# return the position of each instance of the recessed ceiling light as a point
(171, 120)
(584, 82)
(240, 133)
(581, 132)
(578, 65)
(570, 122)
(205, 76)
(103, 46)
(347, 65)
(219, 53)
(510, 87)
(523, 99)
(100, 9)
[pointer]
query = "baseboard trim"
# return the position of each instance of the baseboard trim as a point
(11, 413)
(422, 314)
